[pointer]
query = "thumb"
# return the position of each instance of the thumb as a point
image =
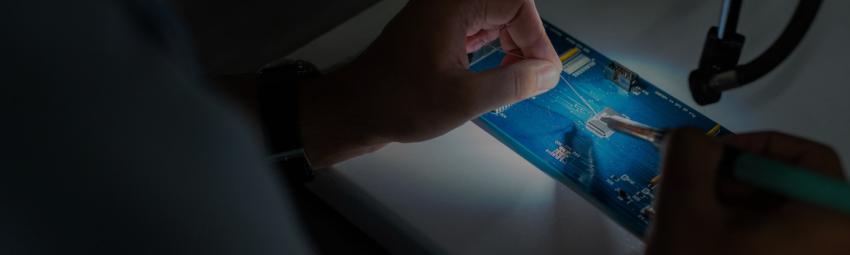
(686, 198)
(688, 191)
(689, 167)
(511, 83)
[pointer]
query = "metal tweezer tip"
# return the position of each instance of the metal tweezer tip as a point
(635, 129)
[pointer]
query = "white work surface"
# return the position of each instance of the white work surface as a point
(466, 193)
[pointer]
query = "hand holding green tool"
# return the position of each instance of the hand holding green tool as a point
(787, 180)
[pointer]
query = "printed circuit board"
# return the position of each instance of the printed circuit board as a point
(560, 131)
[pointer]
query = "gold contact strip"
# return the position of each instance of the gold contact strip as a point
(570, 53)
(714, 130)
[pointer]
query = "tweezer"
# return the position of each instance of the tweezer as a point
(791, 181)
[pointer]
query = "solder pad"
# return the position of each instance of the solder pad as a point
(557, 133)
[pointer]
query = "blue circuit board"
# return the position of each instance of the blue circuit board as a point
(560, 131)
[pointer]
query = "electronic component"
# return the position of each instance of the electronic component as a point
(647, 212)
(623, 196)
(578, 64)
(622, 178)
(598, 127)
(713, 131)
(654, 181)
(622, 76)
(501, 110)
(561, 153)
(570, 53)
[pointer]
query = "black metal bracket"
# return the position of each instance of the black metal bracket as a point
(718, 69)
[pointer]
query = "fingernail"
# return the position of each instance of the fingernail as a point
(548, 75)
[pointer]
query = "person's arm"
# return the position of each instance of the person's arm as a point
(413, 82)
(700, 211)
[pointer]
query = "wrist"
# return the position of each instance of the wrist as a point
(333, 127)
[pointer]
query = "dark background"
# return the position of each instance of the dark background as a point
(239, 36)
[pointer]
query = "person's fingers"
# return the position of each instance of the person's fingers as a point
(508, 84)
(508, 45)
(523, 29)
(789, 149)
(689, 167)
(686, 201)
(691, 171)
(476, 41)
(529, 36)
(520, 30)
(520, 25)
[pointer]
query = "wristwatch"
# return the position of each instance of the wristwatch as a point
(278, 107)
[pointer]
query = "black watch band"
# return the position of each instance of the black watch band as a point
(279, 108)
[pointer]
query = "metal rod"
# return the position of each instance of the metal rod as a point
(729, 13)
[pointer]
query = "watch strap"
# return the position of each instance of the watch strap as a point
(279, 114)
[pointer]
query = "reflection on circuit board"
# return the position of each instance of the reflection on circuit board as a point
(561, 131)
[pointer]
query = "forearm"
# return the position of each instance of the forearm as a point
(328, 128)
(383, 97)
(333, 123)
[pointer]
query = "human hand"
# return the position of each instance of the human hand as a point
(412, 83)
(701, 212)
